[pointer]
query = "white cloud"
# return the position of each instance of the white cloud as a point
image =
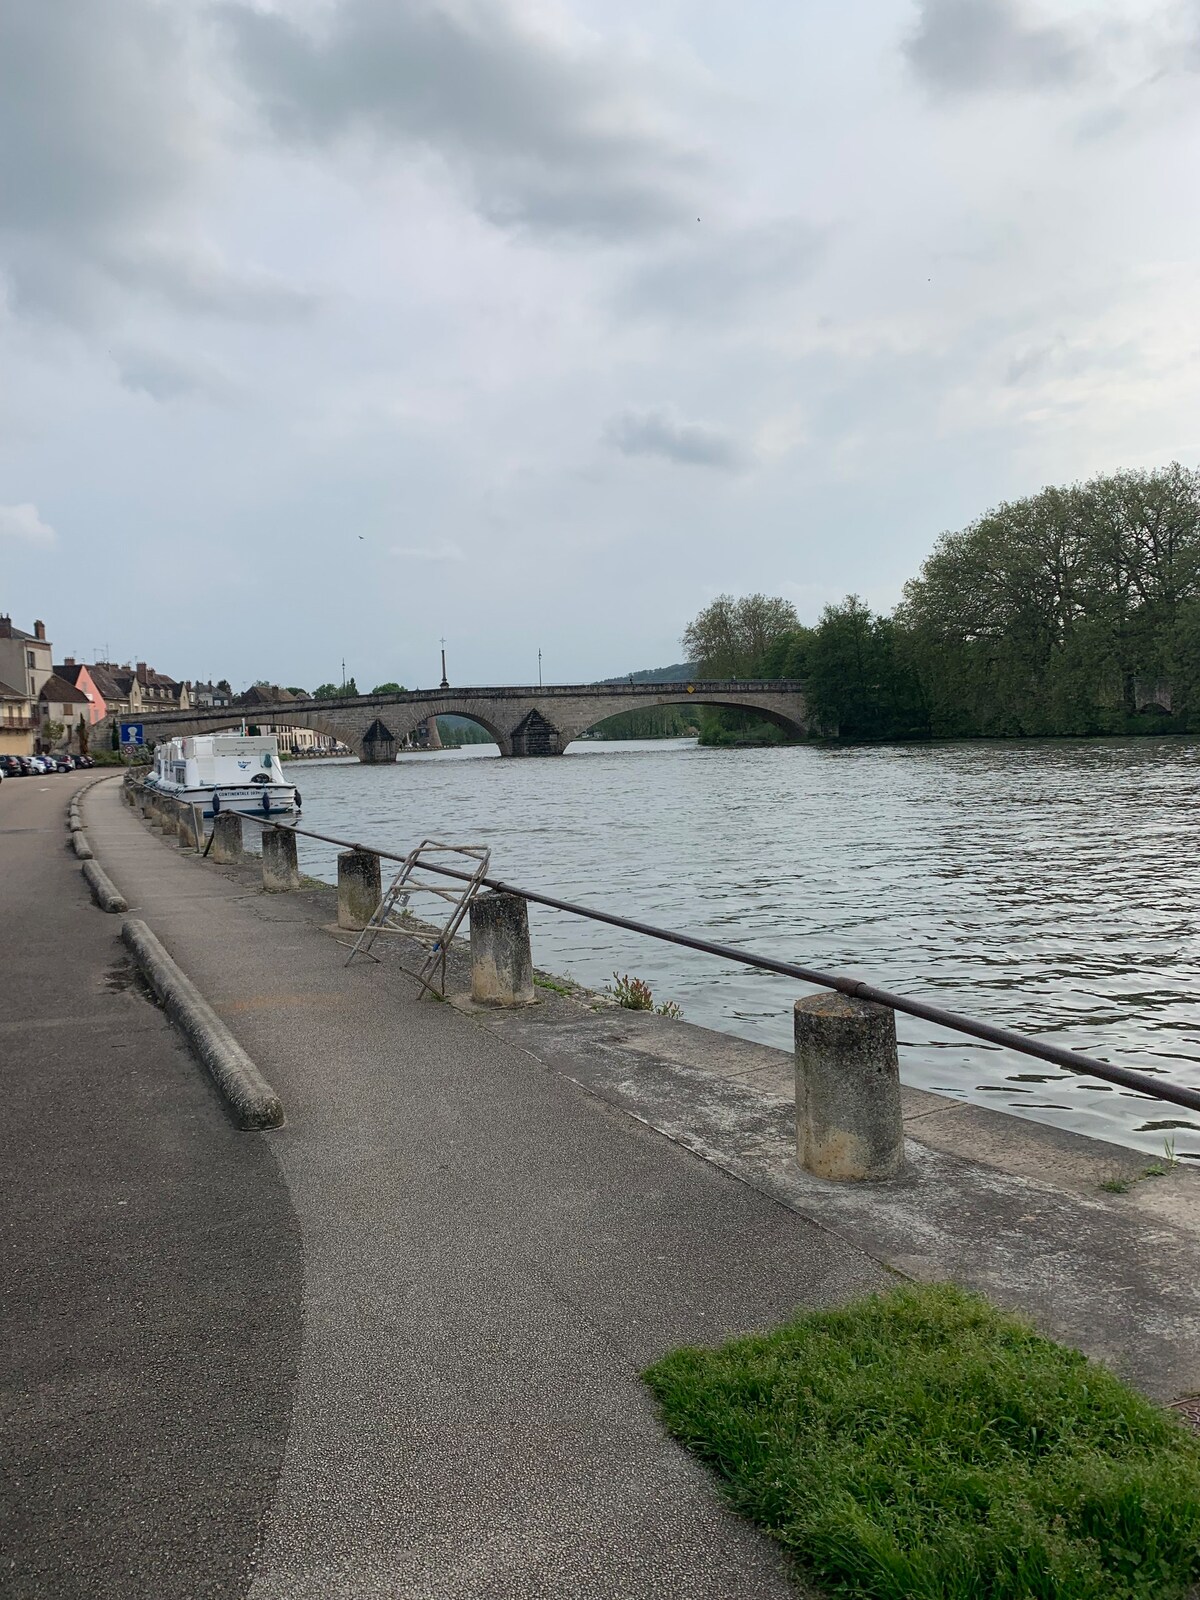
(23, 523)
(443, 552)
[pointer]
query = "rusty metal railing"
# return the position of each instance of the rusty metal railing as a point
(991, 1033)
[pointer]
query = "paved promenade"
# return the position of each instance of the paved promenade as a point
(491, 1255)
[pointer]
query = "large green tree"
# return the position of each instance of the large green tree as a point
(730, 638)
(1063, 612)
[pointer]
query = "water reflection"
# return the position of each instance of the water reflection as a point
(1049, 886)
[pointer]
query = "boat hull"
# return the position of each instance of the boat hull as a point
(280, 800)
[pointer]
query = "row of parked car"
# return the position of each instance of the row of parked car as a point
(31, 766)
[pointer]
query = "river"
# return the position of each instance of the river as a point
(1047, 885)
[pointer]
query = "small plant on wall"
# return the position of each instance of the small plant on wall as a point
(635, 995)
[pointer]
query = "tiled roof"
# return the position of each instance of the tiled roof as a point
(112, 683)
(61, 692)
(7, 692)
(256, 695)
(148, 677)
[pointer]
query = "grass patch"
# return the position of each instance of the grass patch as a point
(921, 1445)
(563, 988)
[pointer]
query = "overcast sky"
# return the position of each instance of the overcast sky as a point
(329, 328)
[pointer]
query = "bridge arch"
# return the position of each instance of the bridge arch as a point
(789, 718)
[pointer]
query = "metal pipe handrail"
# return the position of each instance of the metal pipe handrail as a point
(1125, 1077)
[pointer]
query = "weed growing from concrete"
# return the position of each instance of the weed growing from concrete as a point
(635, 995)
(922, 1443)
(632, 993)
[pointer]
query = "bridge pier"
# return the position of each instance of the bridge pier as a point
(534, 736)
(378, 745)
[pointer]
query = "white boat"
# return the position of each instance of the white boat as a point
(225, 772)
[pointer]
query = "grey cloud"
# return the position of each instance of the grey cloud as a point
(166, 377)
(544, 136)
(717, 278)
(85, 279)
(103, 145)
(659, 433)
(95, 124)
(965, 46)
(198, 281)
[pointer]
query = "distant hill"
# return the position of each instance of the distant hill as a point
(677, 674)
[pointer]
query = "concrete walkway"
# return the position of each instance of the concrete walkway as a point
(150, 1289)
(492, 1255)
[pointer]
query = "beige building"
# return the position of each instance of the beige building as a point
(16, 722)
(26, 659)
(293, 740)
(60, 706)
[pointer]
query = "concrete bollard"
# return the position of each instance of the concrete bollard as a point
(169, 812)
(848, 1119)
(191, 829)
(501, 962)
(359, 890)
(279, 870)
(227, 838)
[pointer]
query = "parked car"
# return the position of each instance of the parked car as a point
(12, 767)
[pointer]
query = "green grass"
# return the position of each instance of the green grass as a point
(921, 1445)
(563, 988)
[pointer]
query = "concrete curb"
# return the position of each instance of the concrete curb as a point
(251, 1098)
(104, 891)
(80, 845)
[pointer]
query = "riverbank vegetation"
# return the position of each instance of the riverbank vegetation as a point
(454, 732)
(1074, 611)
(924, 1443)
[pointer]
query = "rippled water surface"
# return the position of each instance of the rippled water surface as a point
(1050, 886)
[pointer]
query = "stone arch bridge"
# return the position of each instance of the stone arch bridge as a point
(523, 722)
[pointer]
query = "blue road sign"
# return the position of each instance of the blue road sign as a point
(132, 733)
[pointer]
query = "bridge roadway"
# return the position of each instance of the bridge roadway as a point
(523, 721)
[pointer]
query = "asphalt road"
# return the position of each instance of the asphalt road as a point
(151, 1274)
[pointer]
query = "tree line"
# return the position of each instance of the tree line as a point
(1073, 611)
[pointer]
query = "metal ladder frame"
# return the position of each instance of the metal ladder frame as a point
(401, 889)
